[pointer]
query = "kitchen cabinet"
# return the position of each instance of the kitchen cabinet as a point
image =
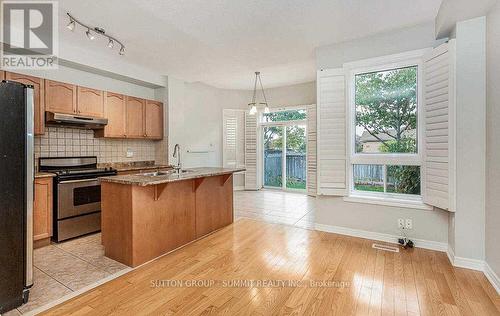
(60, 97)
(90, 102)
(38, 98)
(135, 118)
(115, 111)
(2, 75)
(42, 211)
(154, 119)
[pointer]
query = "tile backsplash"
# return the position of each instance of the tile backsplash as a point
(66, 142)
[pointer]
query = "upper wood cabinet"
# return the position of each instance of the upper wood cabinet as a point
(38, 98)
(90, 102)
(115, 111)
(42, 209)
(60, 97)
(154, 119)
(135, 118)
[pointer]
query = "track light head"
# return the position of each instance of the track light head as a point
(90, 35)
(111, 43)
(122, 51)
(71, 25)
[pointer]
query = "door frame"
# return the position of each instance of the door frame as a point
(284, 125)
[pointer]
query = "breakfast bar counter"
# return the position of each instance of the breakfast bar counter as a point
(147, 215)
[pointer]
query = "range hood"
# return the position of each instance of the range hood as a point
(75, 121)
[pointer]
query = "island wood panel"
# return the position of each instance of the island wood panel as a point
(214, 204)
(116, 221)
(90, 102)
(142, 223)
(60, 97)
(38, 98)
(42, 211)
(164, 224)
(135, 118)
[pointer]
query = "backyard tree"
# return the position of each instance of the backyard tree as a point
(386, 105)
(386, 108)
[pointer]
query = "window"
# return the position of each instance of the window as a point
(385, 158)
(286, 115)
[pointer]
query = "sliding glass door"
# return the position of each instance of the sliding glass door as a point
(284, 155)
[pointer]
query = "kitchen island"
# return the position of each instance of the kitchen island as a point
(147, 215)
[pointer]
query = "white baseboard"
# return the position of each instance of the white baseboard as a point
(239, 188)
(492, 277)
(420, 243)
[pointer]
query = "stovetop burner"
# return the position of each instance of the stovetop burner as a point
(74, 167)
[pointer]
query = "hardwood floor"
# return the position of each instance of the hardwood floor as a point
(367, 281)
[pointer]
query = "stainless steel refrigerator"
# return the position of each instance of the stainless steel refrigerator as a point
(16, 189)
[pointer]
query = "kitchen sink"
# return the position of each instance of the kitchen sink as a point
(165, 173)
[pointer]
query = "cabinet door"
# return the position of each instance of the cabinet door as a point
(60, 97)
(42, 209)
(154, 119)
(38, 98)
(90, 102)
(115, 112)
(2, 75)
(135, 118)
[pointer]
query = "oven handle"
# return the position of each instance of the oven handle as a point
(78, 181)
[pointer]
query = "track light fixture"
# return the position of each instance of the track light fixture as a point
(71, 25)
(90, 35)
(93, 31)
(253, 104)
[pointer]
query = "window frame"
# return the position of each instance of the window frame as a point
(404, 60)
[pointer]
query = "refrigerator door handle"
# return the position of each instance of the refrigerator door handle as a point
(30, 175)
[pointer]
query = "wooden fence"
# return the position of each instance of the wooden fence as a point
(296, 167)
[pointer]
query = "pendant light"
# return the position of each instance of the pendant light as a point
(253, 104)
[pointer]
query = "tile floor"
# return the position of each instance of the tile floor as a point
(296, 209)
(63, 268)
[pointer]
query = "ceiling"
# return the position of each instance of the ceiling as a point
(222, 42)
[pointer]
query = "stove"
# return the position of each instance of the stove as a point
(77, 194)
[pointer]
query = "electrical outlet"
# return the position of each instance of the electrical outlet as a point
(401, 223)
(130, 153)
(409, 224)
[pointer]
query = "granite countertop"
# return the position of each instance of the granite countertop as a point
(132, 166)
(145, 180)
(44, 175)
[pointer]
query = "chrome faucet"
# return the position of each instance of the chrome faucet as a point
(177, 154)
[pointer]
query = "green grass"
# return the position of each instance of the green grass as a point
(290, 184)
(371, 188)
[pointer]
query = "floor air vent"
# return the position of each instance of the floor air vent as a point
(385, 248)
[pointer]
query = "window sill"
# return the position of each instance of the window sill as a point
(416, 204)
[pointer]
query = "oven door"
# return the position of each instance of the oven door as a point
(78, 197)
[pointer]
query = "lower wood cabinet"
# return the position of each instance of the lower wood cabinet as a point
(42, 212)
(2, 75)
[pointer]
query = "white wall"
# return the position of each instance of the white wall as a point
(469, 219)
(493, 141)
(195, 111)
(392, 42)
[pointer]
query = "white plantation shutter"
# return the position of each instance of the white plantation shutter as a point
(230, 138)
(439, 130)
(331, 137)
(311, 150)
(251, 182)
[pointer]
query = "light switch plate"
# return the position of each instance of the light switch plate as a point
(130, 153)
